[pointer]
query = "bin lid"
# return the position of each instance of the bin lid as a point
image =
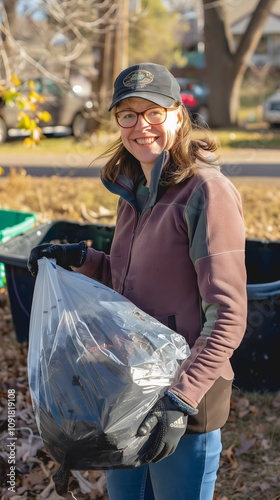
(262, 291)
(13, 222)
(17, 250)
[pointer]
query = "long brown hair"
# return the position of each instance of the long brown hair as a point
(189, 145)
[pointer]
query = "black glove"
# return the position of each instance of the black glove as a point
(170, 422)
(73, 254)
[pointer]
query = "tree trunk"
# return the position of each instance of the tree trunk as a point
(225, 69)
(121, 40)
(9, 17)
(218, 63)
(10, 8)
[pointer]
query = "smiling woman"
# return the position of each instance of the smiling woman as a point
(172, 131)
(178, 253)
(146, 131)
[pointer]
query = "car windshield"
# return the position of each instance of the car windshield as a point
(199, 90)
(193, 87)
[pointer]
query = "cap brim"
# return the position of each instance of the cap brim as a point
(158, 99)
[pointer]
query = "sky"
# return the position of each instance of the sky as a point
(27, 5)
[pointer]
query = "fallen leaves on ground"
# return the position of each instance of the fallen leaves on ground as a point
(57, 197)
(87, 200)
(250, 460)
(261, 206)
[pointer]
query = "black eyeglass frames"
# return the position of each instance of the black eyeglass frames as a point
(153, 116)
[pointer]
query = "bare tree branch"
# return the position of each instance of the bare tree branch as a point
(226, 67)
(253, 32)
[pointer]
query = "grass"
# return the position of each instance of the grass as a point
(56, 145)
(262, 138)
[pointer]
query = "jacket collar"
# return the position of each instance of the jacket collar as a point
(124, 187)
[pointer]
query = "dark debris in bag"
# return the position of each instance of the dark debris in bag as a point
(34, 465)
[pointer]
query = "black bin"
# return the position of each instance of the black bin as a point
(14, 254)
(256, 361)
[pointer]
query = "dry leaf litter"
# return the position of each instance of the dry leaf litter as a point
(250, 460)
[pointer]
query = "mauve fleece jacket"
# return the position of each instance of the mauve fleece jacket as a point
(182, 260)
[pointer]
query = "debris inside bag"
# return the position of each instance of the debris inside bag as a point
(97, 364)
(34, 466)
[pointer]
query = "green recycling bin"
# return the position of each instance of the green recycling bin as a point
(13, 223)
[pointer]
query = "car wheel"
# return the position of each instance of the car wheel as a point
(79, 125)
(3, 131)
(202, 117)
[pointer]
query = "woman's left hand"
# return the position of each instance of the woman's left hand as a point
(170, 423)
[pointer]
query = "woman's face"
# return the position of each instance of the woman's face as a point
(144, 141)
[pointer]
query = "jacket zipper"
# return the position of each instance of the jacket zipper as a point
(138, 217)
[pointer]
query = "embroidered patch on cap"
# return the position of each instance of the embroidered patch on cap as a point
(138, 78)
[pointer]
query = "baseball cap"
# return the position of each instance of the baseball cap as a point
(149, 81)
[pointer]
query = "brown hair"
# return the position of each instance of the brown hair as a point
(184, 152)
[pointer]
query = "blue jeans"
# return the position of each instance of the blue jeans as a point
(188, 474)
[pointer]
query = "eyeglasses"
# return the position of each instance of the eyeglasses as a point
(153, 116)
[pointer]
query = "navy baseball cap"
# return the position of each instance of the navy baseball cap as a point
(148, 81)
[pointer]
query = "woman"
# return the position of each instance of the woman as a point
(178, 254)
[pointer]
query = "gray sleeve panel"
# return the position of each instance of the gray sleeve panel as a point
(195, 215)
(211, 315)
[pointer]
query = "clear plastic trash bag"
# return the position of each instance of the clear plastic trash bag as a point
(96, 366)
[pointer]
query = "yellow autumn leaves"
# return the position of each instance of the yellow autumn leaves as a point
(28, 104)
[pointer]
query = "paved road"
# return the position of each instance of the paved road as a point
(237, 163)
(38, 171)
(229, 169)
(251, 170)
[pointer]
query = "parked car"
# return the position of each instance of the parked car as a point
(195, 95)
(271, 109)
(68, 108)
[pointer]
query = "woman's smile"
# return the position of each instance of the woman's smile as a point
(145, 140)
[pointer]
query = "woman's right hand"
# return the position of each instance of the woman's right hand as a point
(73, 254)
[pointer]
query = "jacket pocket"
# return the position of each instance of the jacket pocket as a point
(213, 409)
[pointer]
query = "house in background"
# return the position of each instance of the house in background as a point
(268, 50)
(239, 14)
